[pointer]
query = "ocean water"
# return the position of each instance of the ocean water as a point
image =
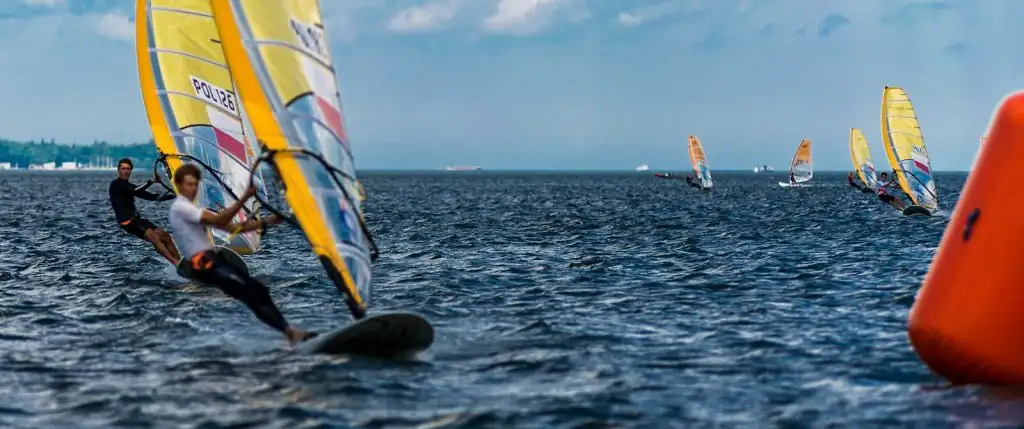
(559, 300)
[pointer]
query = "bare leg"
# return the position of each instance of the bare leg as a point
(295, 335)
(165, 237)
(154, 238)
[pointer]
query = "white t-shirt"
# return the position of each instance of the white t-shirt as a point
(189, 233)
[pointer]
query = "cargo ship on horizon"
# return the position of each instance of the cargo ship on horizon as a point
(462, 168)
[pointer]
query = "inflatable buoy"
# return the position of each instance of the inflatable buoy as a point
(967, 324)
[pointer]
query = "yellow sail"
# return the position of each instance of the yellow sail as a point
(860, 154)
(904, 146)
(801, 167)
(699, 162)
(278, 55)
(191, 106)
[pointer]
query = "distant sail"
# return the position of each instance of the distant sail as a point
(700, 162)
(191, 105)
(904, 146)
(801, 166)
(278, 53)
(860, 154)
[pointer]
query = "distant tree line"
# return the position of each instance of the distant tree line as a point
(22, 153)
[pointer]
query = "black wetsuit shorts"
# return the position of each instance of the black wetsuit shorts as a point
(137, 226)
(886, 198)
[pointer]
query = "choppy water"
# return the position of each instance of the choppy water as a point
(560, 300)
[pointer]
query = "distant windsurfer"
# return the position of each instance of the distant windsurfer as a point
(792, 178)
(122, 198)
(884, 195)
(850, 179)
(691, 182)
(885, 179)
(205, 263)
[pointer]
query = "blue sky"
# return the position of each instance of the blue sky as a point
(577, 84)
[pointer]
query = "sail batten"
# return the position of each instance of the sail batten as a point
(278, 53)
(180, 10)
(191, 106)
(905, 149)
(186, 54)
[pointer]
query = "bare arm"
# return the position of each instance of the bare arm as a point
(237, 228)
(222, 218)
(251, 224)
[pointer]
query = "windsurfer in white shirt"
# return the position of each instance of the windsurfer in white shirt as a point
(203, 262)
(885, 196)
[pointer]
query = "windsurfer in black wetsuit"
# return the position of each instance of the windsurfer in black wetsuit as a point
(122, 198)
(691, 182)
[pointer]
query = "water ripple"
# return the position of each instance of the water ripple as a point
(577, 301)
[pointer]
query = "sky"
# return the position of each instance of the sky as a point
(571, 84)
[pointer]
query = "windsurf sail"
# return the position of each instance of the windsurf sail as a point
(278, 54)
(904, 146)
(192, 109)
(700, 162)
(801, 167)
(860, 154)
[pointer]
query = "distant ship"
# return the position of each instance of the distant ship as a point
(462, 168)
(642, 167)
(760, 168)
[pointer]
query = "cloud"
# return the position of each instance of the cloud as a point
(648, 13)
(43, 3)
(916, 12)
(831, 23)
(116, 26)
(526, 17)
(423, 18)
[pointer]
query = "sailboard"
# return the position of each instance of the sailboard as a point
(860, 154)
(192, 109)
(700, 162)
(908, 156)
(800, 167)
(278, 54)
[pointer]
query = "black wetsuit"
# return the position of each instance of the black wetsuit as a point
(210, 267)
(691, 182)
(122, 198)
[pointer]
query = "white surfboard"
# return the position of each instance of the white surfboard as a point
(792, 185)
(398, 334)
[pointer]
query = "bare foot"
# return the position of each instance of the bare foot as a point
(296, 335)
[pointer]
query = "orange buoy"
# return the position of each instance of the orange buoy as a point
(967, 323)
